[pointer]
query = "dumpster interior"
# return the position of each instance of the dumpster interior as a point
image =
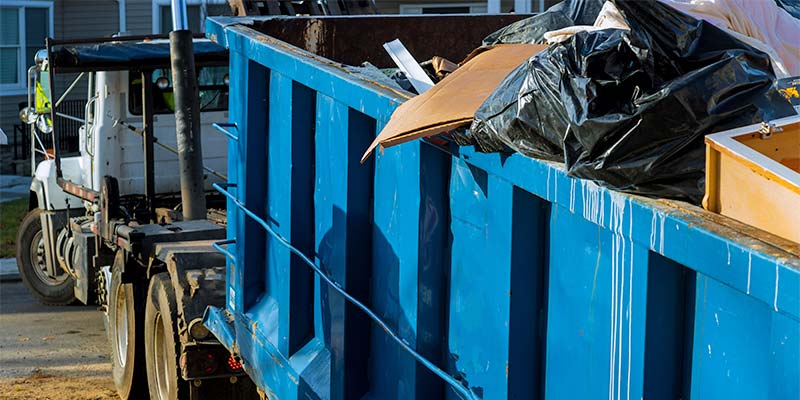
(353, 40)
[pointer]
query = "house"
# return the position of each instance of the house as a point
(24, 24)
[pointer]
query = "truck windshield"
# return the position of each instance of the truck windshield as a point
(211, 81)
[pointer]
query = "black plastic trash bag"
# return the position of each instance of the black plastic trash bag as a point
(524, 114)
(531, 30)
(630, 108)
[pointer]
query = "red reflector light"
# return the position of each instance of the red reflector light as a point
(233, 365)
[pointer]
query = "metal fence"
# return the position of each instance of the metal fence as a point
(68, 135)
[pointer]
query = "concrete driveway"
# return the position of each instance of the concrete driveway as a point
(51, 352)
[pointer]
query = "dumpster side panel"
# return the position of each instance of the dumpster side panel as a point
(479, 274)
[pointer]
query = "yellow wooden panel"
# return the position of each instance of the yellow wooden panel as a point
(751, 198)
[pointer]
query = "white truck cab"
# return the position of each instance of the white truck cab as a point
(110, 145)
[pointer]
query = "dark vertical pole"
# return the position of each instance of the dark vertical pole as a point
(187, 124)
(147, 139)
(54, 133)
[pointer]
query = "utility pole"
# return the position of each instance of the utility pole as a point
(187, 114)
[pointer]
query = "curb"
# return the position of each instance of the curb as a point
(8, 270)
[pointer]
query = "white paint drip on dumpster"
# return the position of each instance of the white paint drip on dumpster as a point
(548, 182)
(555, 196)
(572, 196)
(630, 298)
(749, 268)
(728, 246)
(653, 232)
(630, 225)
(593, 202)
(614, 266)
(613, 322)
(657, 231)
(620, 203)
(775, 302)
(617, 212)
(618, 301)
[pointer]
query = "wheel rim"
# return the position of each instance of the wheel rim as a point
(36, 252)
(161, 357)
(121, 326)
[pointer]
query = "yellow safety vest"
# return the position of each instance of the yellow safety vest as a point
(42, 99)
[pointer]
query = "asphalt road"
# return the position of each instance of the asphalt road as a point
(51, 352)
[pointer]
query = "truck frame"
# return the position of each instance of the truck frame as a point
(105, 227)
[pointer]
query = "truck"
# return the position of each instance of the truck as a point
(106, 226)
(434, 271)
(130, 221)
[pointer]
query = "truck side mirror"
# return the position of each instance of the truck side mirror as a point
(43, 124)
(28, 115)
(40, 58)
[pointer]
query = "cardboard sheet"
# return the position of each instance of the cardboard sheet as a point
(453, 101)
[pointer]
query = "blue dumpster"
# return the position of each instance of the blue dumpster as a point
(436, 272)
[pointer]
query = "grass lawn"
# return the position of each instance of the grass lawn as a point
(11, 214)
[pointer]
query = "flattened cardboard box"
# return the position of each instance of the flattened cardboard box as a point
(453, 101)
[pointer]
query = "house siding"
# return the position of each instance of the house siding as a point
(139, 17)
(79, 19)
(76, 19)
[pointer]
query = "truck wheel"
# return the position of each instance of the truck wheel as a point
(162, 342)
(125, 330)
(52, 289)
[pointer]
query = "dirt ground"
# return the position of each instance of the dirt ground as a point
(39, 385)
(51, 352)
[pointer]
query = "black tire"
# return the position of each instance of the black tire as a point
(125, 328)
(56, 290)
(162, 344)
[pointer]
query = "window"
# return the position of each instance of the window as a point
(23, 27)
(211, 81)
(162, 14)
(443, 8)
